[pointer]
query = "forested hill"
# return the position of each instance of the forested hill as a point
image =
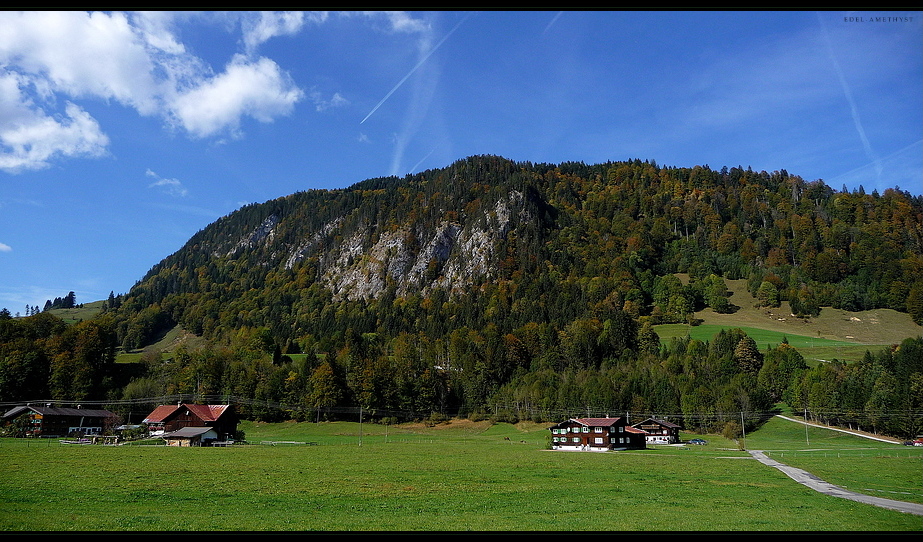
(488, 241)
(507, 289)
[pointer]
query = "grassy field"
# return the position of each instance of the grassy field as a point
(451, 477)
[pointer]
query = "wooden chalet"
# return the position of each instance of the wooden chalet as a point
(220, 419)
(659, 431)
(596, 434)
(49, 421)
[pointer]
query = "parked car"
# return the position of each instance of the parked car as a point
(698, 441)
(918, 442)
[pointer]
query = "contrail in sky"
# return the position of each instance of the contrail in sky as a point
(852, 103)
(556, 17)
(876, 163)
(415, 166)
(420, 63)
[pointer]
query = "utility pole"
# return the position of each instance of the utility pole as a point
(743, 429)
(806, 427)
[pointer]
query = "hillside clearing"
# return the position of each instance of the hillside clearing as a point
(834, 334)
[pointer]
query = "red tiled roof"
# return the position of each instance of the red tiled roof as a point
(160, 413)
(207, 413)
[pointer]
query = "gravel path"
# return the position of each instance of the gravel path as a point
(815, 483)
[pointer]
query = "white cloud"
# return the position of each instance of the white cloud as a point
(259, 89)
(399, 21)
(156, 28)
(29, 138)
(5, 248)
(134, 59)
(172, 187)
(81, 55)
(51, 60)
(263, 26)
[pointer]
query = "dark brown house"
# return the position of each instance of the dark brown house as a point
(222, 419)
(49, 421)
(659, 431)
(596, 434)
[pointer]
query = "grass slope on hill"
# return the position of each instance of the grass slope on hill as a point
(833, 334)
(85, 311)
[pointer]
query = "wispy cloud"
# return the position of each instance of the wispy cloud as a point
(854, 111)
(323, 104)
(172, 187)
(266, 25)
(5, 248)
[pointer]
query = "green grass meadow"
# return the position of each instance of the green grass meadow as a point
(812, 348)
(452, 477)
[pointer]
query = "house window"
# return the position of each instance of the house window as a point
(621, 429)
(598, 440)
(576, 439)
(597, 429)
(586, 429)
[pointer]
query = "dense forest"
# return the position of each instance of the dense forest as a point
(509, 289)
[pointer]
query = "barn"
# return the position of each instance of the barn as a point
(168, 419)
(190, 436)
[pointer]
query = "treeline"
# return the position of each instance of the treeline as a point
(614, 366)
(67, 302)
(41, 357)
(883, 393)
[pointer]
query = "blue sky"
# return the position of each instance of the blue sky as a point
(123, 134)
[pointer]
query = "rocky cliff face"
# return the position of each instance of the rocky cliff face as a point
(362, 262)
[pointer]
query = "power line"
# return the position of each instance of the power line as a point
(496, 408)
